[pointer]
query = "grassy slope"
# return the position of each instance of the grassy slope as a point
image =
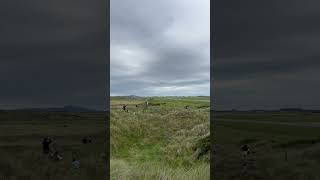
(282, 152)
(20, 145)
(158, 143)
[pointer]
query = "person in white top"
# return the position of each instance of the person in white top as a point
(75, 163)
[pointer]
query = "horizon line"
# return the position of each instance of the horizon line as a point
(161, 95)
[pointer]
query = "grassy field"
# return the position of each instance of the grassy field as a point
(164, 141)
(286, 145)
(21, 134)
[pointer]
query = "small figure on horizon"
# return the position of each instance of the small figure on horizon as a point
(46, 145)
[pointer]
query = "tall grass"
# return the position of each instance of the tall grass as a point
(122, 170)
(159, 143)
(34, 166)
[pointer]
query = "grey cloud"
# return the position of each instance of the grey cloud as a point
(53, 53)
(266, 54)
(162, 52)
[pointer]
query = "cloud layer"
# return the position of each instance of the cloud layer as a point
(266, 54)
(53, 53)
(160, 48)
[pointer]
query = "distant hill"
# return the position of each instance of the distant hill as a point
(68, 108)
(134, 97)
(127, 97)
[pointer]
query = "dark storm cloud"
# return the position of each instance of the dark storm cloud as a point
(53, 53)
(266, 54)
(160, 47)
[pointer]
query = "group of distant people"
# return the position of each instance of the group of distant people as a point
(124, 107)
(54, 154)
(86, 140)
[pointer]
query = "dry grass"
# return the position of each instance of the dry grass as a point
(121, 170)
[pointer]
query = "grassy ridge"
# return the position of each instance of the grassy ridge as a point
(161, 142)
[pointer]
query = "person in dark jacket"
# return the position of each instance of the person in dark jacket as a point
(245, 151)
(84, 140)
(46, 145)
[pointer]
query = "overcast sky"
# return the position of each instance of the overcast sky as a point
(267, 54)
(53, 53)
(160, 48)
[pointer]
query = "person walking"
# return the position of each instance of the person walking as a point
(46, 145)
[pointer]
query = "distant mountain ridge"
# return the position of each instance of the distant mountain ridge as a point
(127, 97)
